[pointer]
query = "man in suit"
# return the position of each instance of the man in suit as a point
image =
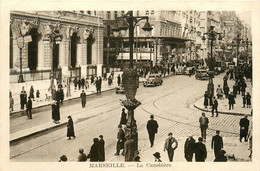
(204, 121)
(152, 128)
(217, 144)
(168, 146)
(29, 108)
(188, 148)
(83, 98)
(200, 151)
(214, 107)
(244, 124)
(120, 140)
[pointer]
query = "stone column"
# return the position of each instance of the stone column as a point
(62, 54)
(79, 55)
(84, 60)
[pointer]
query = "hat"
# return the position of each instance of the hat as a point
(151, 116)
(63, 158)
(217, 131)
(101, 136)
(200, 139)
(81, 150)
(170, 134)
(157, 155)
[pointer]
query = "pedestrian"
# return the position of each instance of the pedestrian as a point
(210, 100)
(101, 147)
(225, 78)
(168, 145)
(94, 151)
(129, 148)
(231, 100)
(244, 101)
(235, 90)
(29, 108)
(92, 79)
(82, 82)
(37, 95)
(100, 84)
(11, 102)
(206, 100)
(70, 128)
(200, 151)
(82, 156)
(22, 102)
(231, 75)
(226, 91)
(244, 124)
(217, 144)
(157, 157)
(79, 83)
(86, 84)
(243, 87)
(123, 117)
(61, 96)
(214, 107)
(83, 97)
(120, 140)
(32, 93)
(118, 80)
(250, 138)
(221, 157)
(63, 158)
(55, 111)
(219, 92)
(188, 148)
(75, 83)
(204, 121)
(248, 99)
(152, 128)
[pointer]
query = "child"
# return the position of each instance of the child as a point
(37, 95)
(244, 101)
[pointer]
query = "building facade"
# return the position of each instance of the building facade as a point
(68, 42)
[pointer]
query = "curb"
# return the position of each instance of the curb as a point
(221, 112)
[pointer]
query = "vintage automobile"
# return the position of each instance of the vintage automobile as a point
(120, 89)
(153, 80)
(202, 74)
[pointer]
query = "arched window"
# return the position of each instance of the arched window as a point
(33, 49)
(74, 42)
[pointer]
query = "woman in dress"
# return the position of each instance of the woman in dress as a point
(70, 128)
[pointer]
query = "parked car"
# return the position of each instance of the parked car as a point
(153, 80)
(120, 89)
(202, 74)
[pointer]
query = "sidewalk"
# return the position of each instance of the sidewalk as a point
(223, 107)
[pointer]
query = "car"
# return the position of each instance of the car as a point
(120, 89)
(202, 74)
(153, 80)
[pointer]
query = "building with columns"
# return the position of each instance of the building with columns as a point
(69, 42)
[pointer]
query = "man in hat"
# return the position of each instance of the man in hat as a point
(200, 151)
(83, 98)
(120, 140)
(82, 156)
(244, 124)
(152, 128)
(63, 158)
(214, 106)
(168, 145)
(29, 108)
(188, 148)
(204, 121)
(157, 157)
(217, 143)
(101, 148)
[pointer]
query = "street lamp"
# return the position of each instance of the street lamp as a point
(211, 35)
(130, 76)
(236, 42)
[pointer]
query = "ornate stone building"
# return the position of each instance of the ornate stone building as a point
(70, 43)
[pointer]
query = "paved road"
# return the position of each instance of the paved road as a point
(171, 103)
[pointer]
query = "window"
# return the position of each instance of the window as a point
(108, 15)
(89, 12)
(123, 13)
(137, 13)
(115, 14)
(147, 12)
(152, 12)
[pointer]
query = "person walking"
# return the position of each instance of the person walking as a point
(231, 100)
(204, 121)
(221, 157)
(79, 83)
(129, 148)
(55, 111)
(235, 90)
(243, 87)
(123, 119)
(83, 97)
(226, 91)
(82, 156)
(219, 92)
(200, 151)
(37, 95)
(217, 144)
(94, 151)
(101, 148)
(99, 84)
(22, 102)
(157, 157)
(152, 128)
(82, 82)
(214, 107)
(70, 128)
(244, 101)
(120, 140)
(188, 148)
(75, 83)
(118, 80)
(32, 93)
(225, 78)
(248, 100)
(206, 99)
(244, 124)
(92, 79)
(29, 108)
(168, 145)
(86, 84)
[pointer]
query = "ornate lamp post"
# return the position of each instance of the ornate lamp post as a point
(130, 77)
(211, 35)
(236, 42)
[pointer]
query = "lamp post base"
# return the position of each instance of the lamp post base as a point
(21, 80)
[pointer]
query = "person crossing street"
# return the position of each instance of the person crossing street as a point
(168, 146)
(152, 128)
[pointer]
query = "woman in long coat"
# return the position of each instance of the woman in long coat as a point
(123, 117)
(70, 128)
(248, 99)
(101, 148)
(206, 102)
(94, 151)
(55, 111)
